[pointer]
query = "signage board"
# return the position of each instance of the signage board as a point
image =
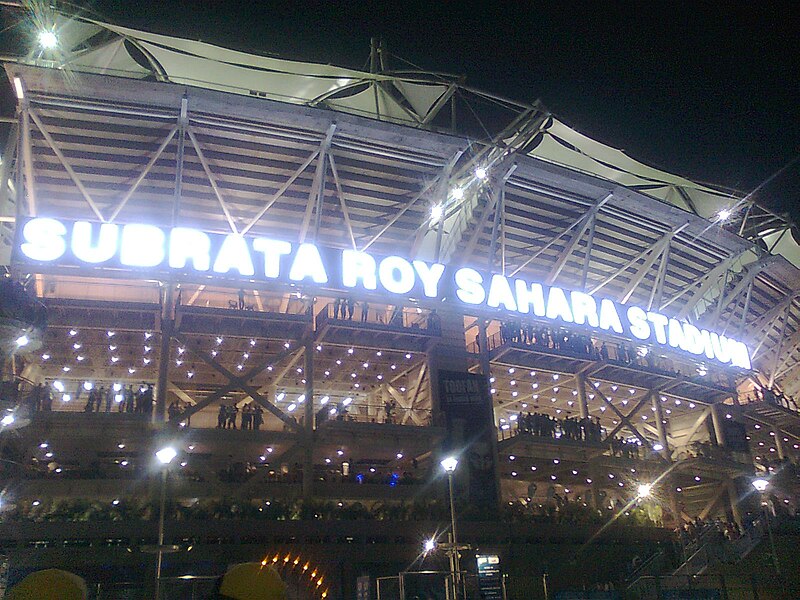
(490, 577)
(183, 251)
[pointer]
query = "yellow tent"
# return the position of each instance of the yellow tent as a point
(50, 584)
(253, 581)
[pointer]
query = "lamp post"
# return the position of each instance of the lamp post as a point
(449, 465)
(761, 486)
(165, 456)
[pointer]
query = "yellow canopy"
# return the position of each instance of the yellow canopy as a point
(252, 581)
(50, 584)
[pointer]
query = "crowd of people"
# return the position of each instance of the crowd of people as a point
(125, 399)
(625, 449)
(571, 428)
(774, 397)
(251, 416)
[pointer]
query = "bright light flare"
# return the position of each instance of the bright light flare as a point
(437, 212)
(449, 464)
(22, 341)
(48, 39)
(724, 214)
(760, 485)
(429, 545)
(166, 455)
(644, 490)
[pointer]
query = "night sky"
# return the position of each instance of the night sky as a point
(712, 94)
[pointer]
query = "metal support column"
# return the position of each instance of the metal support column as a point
(167, 327)
(661, 429)
(308, 411)
(779, 447)
(718, 421)
(583, 404)
(733, 498)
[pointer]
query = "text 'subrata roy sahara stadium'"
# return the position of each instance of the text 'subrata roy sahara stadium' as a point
(314, 285)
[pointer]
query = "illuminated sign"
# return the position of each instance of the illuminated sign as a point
(194, 252)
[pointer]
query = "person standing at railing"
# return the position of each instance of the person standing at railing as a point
(337, 305)
(364, 311)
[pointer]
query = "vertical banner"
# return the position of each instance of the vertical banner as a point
(467, 406)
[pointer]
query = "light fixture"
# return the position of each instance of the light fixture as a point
(429, 545)
(47, 39)
(724, 214)
(449, 464)
(291, 407)
(166, 455)
(457, 193)
(644, 490)
(658, 447)
(7, 420)
(480, 173)
(19, 89)
(760, 485)
(45, 357)
(436, 213)
(22, 341)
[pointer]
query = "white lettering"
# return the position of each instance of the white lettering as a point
(500, 293)
(308, 263)
(721, 348)
(430, 276)
(530, 295)
(396, 275)
(106, 245)
(740, 357)
(470, 289)
(707, 347)
(272, 251)
(189, 244)
(44, 239)
(638, 320)
(609, 318)
(584, 309)
(557, 305)
(676, 334)
(358, 265)
(234, 254)
(659, 326)
(142, 246)
(693, 339)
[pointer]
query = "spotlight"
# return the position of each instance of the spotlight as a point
(457, 193)
(429, 545)
(480, 173)
(48, 40)
(644, 490)
(166, 455)
(436, 213)
(22, 341)
(724, 214)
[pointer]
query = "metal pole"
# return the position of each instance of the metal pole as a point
(455, 564)
(771, 539)
(161, 511)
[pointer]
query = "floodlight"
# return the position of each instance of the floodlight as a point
(644, 490)
(7, 420)
(436, 213)
(22, 341)
(449, 464)
(480, 173)
(429, 545)
(48, 40)
(166, 455)
(724, 214)
(760, 485)
(457, 193)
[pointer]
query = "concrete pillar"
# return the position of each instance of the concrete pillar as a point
(718, 420)
(483, 345)
(733, 498)
(660, 427)
(779, 444)
(583, 404)
(167, 326)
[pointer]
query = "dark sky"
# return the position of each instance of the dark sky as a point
(710, 93)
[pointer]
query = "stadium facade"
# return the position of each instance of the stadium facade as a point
(317, 256)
